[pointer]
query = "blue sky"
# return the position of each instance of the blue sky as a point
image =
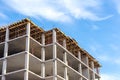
(95, 24)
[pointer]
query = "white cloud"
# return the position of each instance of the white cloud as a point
(115, 47)
(105, 58)
(38, 8)
(109, 76)
(111, 59)
(117, 61)
(63, 10)
(94, 46)
(117, 4)
(2, 24)
(79, 8)
(3, 15)
(95, 27)
(105, 18)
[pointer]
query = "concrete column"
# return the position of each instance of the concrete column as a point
(93, 74)
(80, 66)
(64, 43)
(4, 68)
(85, 71)
(87, 61)
(27, 51)
(43, 57)
(6, 42)
(54, 56)
(97, 70)
(65, 60)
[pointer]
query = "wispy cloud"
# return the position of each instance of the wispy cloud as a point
(104, 18)
(3, 15)
(63, 10)
(2, 24)
(39, 8)
(115, 47)
(117, 4)
(110, 77)
(95, 27)
(104, 58)
(111, 59)
(117, 61)
(95, 46)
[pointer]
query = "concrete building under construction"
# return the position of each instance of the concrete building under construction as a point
(27, 52)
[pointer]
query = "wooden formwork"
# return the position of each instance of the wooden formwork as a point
(48, 37)
(36, 32)
(2, 34)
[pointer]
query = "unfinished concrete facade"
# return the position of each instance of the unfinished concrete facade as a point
(27, 52)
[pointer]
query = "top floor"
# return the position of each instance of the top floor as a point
(19, 29)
